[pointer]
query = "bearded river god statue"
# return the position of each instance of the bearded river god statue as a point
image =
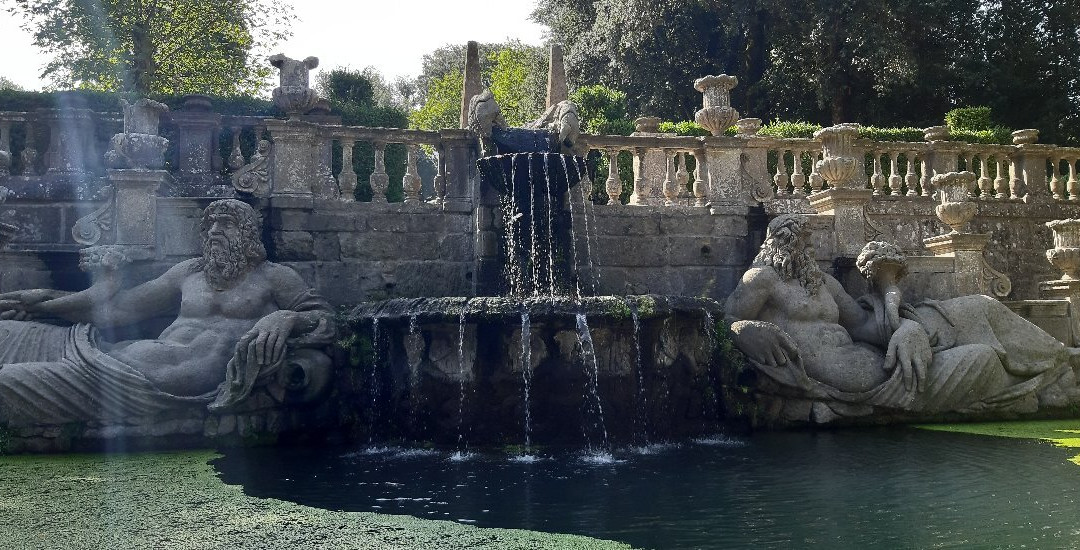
(240, 321)
(823, 356)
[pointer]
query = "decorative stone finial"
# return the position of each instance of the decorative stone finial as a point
(472, 84)
(647, 124)
(294, 94)
(556, 90)
(1025, 136)
(748, 126)
(837, 165)
(956, 208)
(139, 146)
(936, 133)
(717, 115)
(1066, 252)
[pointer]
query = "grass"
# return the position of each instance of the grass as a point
(176, 501)
(1061, 433)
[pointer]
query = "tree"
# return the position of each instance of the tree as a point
(8, 84)
(157, 46)
(518, 80)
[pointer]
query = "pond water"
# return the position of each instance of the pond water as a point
(895, 488)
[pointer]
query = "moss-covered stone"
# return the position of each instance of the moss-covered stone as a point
(174, 500)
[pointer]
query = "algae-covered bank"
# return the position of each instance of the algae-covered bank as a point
(175, 500)
(1062, 433)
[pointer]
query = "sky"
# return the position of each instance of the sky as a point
(390, 35)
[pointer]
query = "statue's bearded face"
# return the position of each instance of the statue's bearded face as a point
(789, 250)
(231, 245)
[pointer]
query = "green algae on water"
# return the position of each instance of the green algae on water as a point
(1061, 433)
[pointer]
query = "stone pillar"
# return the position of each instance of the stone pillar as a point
(458, 149)
(556, 88)
(650, 165)
(72, 151)
(294, 157)
(472, 83)
(1030, 165)
(726, 185)
(966, 250)
(136, 204)
(1065, 255)
(196, 139)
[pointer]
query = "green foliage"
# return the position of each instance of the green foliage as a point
(891, 134)
(109, 102)
(782, 129)
(602, 110)
(8, 84)
(996, 135)
(168, 47)
(969, 118)
(443, 106)
(518, 82)
(688, 128)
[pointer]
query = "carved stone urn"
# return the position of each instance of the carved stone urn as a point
(717, 115)
(956, 208)
(748, 126)
(139, 146)
(1025, 136)
(294, 94)
(1066, 252)
(837, 165)
(936, 133)
(647, 125)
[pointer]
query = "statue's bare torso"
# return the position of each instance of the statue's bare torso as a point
(190, 354)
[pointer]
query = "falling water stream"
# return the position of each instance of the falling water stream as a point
(642, 401)
(526, 374)
(373, 381)
(588, 356)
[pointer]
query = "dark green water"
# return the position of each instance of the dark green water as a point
(898, 488)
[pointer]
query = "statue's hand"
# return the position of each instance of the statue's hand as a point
(909, 350)
(20, 305)
(765, 343)
(265, 342)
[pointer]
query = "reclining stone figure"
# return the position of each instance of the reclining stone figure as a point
(236, 315)
(826, 355)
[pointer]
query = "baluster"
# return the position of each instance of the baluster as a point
(379, 180)
(798, 179)
(236, 157)
(613, 185)
(440, 177)
(1016, 185)
(410, 182)
(986, 185)
(1001, 183)
(701, 179)
(682, 176)
(1057, 185)
(641, 185)
(878, 179)
(924, 182)
(962, 162)
(910, 178)
(817, 183)
(1073, 185)
(670, 193)
(347, 177)
(5, 135)
(895, 181)
(781, 178)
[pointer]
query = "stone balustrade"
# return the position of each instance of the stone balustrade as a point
(417, 143)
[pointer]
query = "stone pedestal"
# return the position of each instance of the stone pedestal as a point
(848, 208)
(459, 153)
(196, 142)
(294, 162)
(971, 273)
(136, 204)
(1030, 164)
(737, 177)
(942, 156)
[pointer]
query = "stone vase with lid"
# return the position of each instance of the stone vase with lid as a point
(716, 115)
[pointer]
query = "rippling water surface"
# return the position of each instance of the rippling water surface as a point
(899, 488)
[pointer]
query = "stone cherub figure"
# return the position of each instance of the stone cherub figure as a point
(236, 313)
(827, 355)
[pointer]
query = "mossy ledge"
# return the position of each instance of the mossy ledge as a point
(175, 500)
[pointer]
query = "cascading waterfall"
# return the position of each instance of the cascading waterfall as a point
(414, 346)
(532, 230)
(526, 374)
(593, 266)
(642, 401)
(592, 398)
(373, 380)
(462, 451)
(573, 236)
(550, 234)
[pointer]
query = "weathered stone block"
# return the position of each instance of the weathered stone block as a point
(620, 251)
(327, 246)
(293, 246)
